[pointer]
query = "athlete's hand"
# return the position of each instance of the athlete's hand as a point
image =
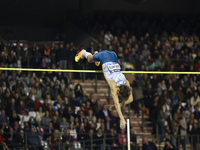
(122, 124)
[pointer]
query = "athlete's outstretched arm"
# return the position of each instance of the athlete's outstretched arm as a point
(114, 95)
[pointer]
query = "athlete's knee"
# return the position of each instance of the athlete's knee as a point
(90, 58)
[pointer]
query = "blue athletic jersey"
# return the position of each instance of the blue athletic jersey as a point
(105, 56)
(111, 68)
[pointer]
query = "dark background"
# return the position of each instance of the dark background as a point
(52, 19)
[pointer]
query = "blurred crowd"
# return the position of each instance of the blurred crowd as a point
(58, 105)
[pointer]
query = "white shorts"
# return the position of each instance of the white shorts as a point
(112, 70)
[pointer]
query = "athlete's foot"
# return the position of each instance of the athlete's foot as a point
(79, 56)
(122, 124)
(97, 63)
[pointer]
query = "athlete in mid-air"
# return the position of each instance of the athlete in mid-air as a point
(116, 80)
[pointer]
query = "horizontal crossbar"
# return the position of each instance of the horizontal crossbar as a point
(98, 71)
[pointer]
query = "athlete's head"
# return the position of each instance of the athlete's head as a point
(124, 91)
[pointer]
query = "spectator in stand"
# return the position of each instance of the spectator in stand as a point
(169, 145)
(45, 105)
(103, 113)
(12, 59)
(191, 89)
(100, 47)
(58, 117)
(111, 140)
(14, 117)
(182, 132)
(36, 60)
(178, 106)
(122, 138)
(175, 120)
(5, 99)
(45, 120)
(18, 49)
(62, 85)
(194, 135)
(30, 103)
(146, 52)
(11, 138)
(149, 62)
(133, 137)
(195, 99)
(11, 107)
(37, 103)
(66, 104)
(107, 124)
(55, 140)
(175, 98)
(48, 132)
(64, 124)
(37, 90)
(78, 93)
(197, 113)
(91, 117)
(133, 57)
(153, 111)
(57, 90)
(33, 123)
(91, 48)
(16, 127)
(87, 107)
(108, 39)
(91, 99)
(120, 55)
(48, 97)
(73, 132)
(25, 53)
(27, 128)
(98, 139)
(47, 51)
(82, 136)
(3, 117)
(138, 97)
(4, 126)
(55, 123)
(161, 123)
(58, 101)
(21, 138)
(63, 56)
(4, 55)
(114, 120)
(67, 139)
(148, 145)
(53, 52)
(2, 139)
(39, 115)
(34, 140)
(97, 107)
(67, 92)
(167, 110)
(71, 54)
(47, 91)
